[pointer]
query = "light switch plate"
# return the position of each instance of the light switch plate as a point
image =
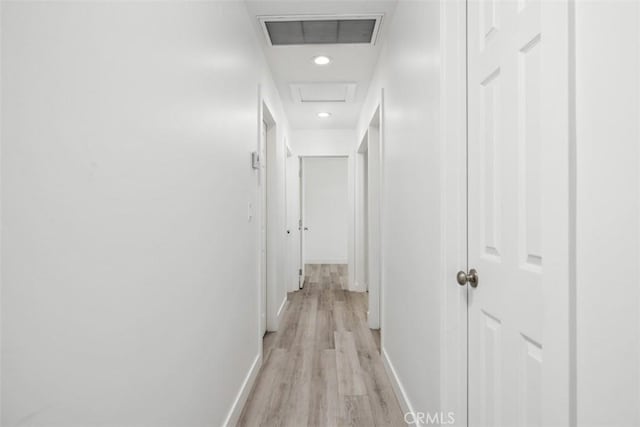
(255, 160)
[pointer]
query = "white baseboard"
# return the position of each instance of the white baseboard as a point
(327, 261)
(359, 287)
(243, 394)
(401, 395)
(285, 301)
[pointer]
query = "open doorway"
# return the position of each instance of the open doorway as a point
(324, 222)
(368, 254)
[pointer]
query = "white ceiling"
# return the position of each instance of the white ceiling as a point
(294, 65)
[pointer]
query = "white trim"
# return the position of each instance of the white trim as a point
(285, 301)
(381, 186)
(453, 319)
(327, 261)
(271, 241)
(398, 389)
(357, 287)
(350, 260)
(375, 132)
(259, 216)
(243, 394)
(301, 265)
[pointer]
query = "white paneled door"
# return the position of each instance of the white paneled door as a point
(506, 351)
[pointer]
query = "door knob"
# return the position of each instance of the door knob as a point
(471, 278)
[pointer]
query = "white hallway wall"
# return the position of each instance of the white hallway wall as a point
(603, 368)
(128, 261)
(607, 214)
(409, 72)
(326, 210)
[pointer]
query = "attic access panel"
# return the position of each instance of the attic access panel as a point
(289, 31)
(323, 92)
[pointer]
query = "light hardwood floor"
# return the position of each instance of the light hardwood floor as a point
(323, 367)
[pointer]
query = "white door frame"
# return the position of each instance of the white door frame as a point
(267, 222)
(291, 275)
(558, 214)
(453, 199)
(370, 150)
(302, 224)
(262, 265)
(301, 230)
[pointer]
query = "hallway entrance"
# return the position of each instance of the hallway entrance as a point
(323, 366)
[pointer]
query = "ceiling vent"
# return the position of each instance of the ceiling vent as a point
(323, 92)
(325, 29)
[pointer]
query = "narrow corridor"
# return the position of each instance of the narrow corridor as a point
(222, 213)
(323, 367)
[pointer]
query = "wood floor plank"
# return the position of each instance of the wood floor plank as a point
(323, 367)
(306, 328)
(384, 405)
(290, 391)
(326, 270)
(355, 411)
(350, 381)
(340, 315)
(257, 404)
(324, 330)
(376, 338)
(289, 323)
(293, 407)
(325, 282)
(296, 408)
(325, 300)
(342, 269)
(268, 342)
(355, 316)
(323, 410)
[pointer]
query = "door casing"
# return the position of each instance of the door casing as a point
(269, 232)
(302, 222)
(369, 263)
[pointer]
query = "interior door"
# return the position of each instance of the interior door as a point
(505, 310)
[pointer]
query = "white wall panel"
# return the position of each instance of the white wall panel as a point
(409, 72)
(607, 90)
(129, 292)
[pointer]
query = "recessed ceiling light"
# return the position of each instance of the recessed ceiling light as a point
(324, 115)
(321, 60)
